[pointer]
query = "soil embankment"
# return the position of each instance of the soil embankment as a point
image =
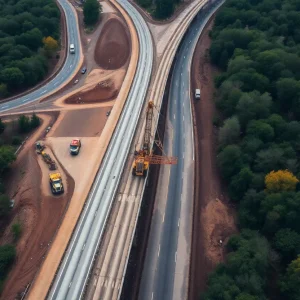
(113, 47)
(213, 216)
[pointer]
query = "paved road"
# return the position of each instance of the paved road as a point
(67, 70)
(73, 273)
(166, 268)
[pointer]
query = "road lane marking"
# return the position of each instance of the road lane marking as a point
(178, 222)
(158, 250)
(183, 155)
(174, 116)
(152, 296)
(43, 92)
(181, 74)
(56, 83)
(176, 256)
(164, 218)
(183, 118)
(5, 106)
(183, 104)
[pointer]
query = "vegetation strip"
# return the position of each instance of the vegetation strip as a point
(256, 44)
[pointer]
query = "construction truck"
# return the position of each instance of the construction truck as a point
(39, 147)
(144, 157)
(48, 160)
(56, 184)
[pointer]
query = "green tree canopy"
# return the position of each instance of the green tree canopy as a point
(91, 12)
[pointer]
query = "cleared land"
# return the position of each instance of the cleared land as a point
(213, 216)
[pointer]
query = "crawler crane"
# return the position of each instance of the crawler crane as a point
(144, 157)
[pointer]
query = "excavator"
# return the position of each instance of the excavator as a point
(144, 157)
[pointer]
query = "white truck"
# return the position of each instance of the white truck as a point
(72, 48)
(197, 94)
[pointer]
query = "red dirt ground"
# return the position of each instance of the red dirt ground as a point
(39, 215)
(113, 47)
(104, 91)
(213, 216)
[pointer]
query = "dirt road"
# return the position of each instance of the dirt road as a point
(39, 214)
(213, 218)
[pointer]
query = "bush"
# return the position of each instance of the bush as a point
(16, 141)
(4, 205)
(16, 230)
(7, 257)
(24, 124)
(35, 121)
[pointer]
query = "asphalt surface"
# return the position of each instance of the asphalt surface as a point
(73, 273)
(65, 73)
(166, 267)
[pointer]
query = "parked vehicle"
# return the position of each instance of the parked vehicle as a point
(56, 184)
(75, 146)
(108, 113)
(197, 94)
(83, 70)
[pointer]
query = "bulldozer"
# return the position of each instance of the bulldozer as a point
(48, 160)
(39, 147)
(56, 184)
(144, 157)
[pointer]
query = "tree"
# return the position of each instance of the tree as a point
(4, 205)
(7, 257)
(7, 156)
(91, 11)
(230, 132)
(2, 126)
(287, 242)
(164, 9)
(279, 181)
(24, 124)
(246, 296)
(50, 45)
(16, 230)
(35, 121)
(260, 129)
(229, 160)
(13, 77)
(3, 90)
(291, 281)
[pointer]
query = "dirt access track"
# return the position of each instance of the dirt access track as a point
(214, 219)
(38, 211)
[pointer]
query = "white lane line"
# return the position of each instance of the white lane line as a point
(5, 106)
(174, 116)
(183, 83)
(152, 296)
(183, 155)
(181, 74)
(24, 100)
(43, 92)
(178, 222)
(55, 84)
(163, 218)
(176, 256)
(158, 250)
(183, 104)
(183, 118)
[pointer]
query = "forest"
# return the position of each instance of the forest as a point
(29, 34)
(256, 45)
(160, 9)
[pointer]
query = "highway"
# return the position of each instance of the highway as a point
(67, 70)
(74, 270)
(166, 267)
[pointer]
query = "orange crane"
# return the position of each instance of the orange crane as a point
(144, 157)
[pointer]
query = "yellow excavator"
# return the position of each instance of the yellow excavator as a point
(144, 157)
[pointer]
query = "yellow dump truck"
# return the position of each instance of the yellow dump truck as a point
(56, 183)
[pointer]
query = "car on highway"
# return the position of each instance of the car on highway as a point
(75, 146)
(108, 113)
(76, 81)
(83, 70)
(72, 48)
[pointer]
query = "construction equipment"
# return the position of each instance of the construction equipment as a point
(75, 146)
(144, 157)
(56, 184)
(48, 160)
(39, 147)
